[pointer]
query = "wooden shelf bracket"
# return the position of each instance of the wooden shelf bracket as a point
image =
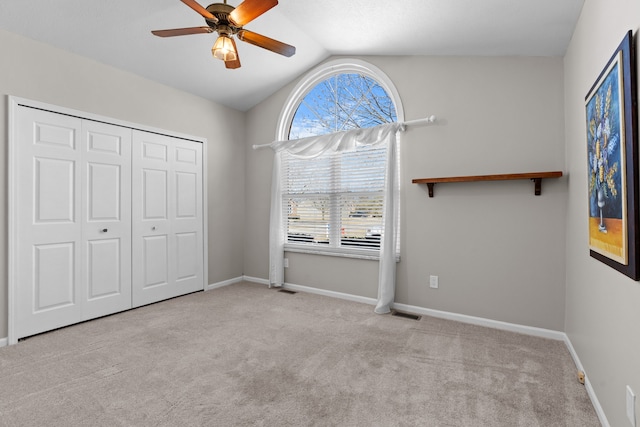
(536, 177)
(538, 186)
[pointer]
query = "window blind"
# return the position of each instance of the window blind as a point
(334, 201)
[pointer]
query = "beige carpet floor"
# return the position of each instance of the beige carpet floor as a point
(245, 355)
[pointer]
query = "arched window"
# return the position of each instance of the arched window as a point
(342, 102)
(361, 96)
(333, 203)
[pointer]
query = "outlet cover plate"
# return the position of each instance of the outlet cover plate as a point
(433, 282)
(631, 406)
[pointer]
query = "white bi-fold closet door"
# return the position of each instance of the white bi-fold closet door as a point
(167, 217)
(106, 218)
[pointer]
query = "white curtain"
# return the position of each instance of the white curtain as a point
(308, 148)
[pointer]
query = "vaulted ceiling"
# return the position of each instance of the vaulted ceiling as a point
(118, 33)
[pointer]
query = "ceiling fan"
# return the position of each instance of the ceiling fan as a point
(228, 21)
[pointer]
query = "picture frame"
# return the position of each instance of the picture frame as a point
(612, 156)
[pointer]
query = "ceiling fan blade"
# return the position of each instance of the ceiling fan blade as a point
(266, 43)
(201, 10)
(249, 10)
(236, 63)
(182, 31)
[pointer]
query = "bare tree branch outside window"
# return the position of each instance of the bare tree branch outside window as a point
(342, 102)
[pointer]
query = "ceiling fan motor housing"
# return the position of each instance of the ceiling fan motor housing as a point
(221, 11)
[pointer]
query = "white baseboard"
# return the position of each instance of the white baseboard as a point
(310, 290)
(333, 294)
(496, 324)
(4, 342)
(587, 384)
(255, 280)
(481, 321)
(223, 283)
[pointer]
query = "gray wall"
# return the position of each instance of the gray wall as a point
(36, 71)
(498, 250)
(603, 306)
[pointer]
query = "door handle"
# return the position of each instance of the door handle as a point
(104, 230)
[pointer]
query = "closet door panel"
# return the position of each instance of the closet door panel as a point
(106, 212)
(104, 269)
(48, 263)
(167, 242)
(156, 228)
(153, 273)
(187, 265)
(104, 192)
(54, 197)
(155, 253)
(155, 193)
(54, 276)
(187, 214)
(187, 195)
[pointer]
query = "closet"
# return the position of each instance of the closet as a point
(104, 217)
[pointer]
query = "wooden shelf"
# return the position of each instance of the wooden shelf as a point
(536, 177)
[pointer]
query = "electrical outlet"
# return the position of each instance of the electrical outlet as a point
(433, 282)
(631, 406)
(286, 263)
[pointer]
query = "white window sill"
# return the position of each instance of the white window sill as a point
(342, 252)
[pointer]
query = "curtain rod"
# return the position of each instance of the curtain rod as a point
(418, 122)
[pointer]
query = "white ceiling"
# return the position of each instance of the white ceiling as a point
(118, 33)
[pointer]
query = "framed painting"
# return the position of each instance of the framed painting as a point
(611, 118)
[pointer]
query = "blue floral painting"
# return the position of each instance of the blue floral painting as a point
(606, 157)
(612, 163)
(603, 136)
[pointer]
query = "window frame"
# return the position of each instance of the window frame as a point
(300, 91)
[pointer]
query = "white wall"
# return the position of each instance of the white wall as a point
(497, 248)
(36, 71)
(603, 306)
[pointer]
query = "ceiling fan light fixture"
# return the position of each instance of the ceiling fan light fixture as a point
(223, 49)
(228, 21)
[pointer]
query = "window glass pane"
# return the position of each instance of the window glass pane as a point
(361, 220)
(308, 219)
(342, 102)
(308, 177)
(362, 170)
